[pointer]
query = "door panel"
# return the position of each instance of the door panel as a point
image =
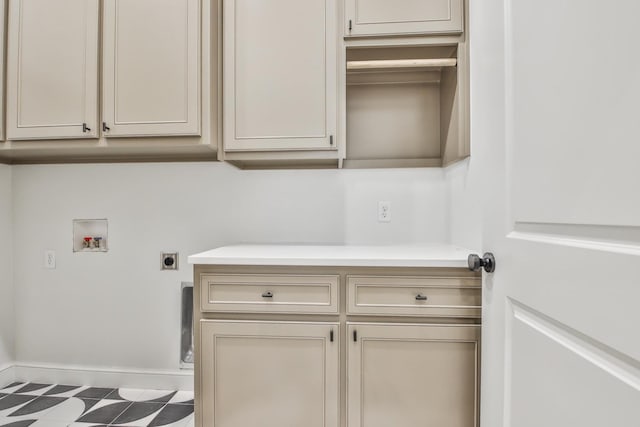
(280, 74)
(560, 315)
(151, 67)
(566, 393)
(263, 374)
(578, 116)
(52, 69)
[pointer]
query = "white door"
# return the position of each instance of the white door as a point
(556, 139)
(280, 74)
(151, 67)
(269, 374)
(52, 69)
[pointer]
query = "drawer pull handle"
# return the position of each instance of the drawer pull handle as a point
(421, 297)
(267, 294)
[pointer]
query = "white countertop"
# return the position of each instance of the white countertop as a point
(335, 256)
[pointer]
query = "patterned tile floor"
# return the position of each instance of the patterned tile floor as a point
(48, 405)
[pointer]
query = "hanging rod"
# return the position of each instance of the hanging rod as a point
(402, 63)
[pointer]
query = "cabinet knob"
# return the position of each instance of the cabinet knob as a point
(267, 294)
(421, 297)
(85, 128)
(488, 262)
(105, 128)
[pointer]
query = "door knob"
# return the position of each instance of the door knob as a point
(488, 262)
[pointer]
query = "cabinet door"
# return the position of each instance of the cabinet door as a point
(412, 375)
(3, 8)
(280, 74)
(151, 67)
(267, 374)
(52, 69)
(380, 17)
(3, 23)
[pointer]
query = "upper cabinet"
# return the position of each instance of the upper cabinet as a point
(384, 17)
(407, 83)
(3, 9)
(151, 67)
(283, 88)
(52, 69)
(112, 80)
(280, 75)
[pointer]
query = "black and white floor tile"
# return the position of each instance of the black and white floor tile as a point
(56, 405)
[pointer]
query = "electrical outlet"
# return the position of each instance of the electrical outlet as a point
(169, 261)
(50, 259)
(384, 211)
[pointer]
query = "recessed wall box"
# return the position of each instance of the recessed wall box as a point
(90, 235)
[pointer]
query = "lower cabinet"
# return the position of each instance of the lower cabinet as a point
(336, 347)
(406, 375)
(269, 374)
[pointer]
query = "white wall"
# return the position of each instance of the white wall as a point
(464, 193)
(466, 180)
(6, 282)
(118, 309)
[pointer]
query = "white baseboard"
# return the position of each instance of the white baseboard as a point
(7, 375)
(102, 377)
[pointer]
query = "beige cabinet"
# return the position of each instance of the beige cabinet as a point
(151, 67)
(52, 69)
(3, 21)
(323, 346)
(384, 17)
(405, 375)
(280, 73)
(269, 374)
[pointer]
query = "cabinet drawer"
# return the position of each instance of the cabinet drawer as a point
(269, 293)
(414, 296)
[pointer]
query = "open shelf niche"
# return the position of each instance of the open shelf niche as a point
(406, 107)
